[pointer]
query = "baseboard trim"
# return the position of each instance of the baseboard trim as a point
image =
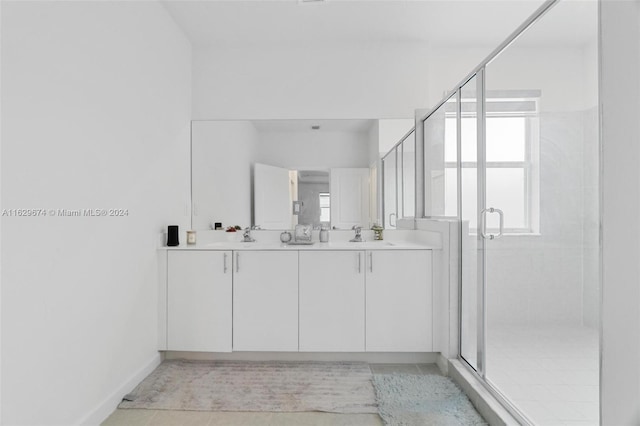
(370, 357)
(106, 407)
(443, 364)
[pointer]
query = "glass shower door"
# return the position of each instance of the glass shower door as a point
(529, 214)
(542, 277)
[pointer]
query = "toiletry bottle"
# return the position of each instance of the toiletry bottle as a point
(324, 234)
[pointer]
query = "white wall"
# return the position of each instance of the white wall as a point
(222, 155)
(620, 133)
(371, 81)
(374, 143)
(391, 131)
(565, 74)
(313, 150)
(95, 114)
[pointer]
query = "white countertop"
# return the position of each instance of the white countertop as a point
(340, 245)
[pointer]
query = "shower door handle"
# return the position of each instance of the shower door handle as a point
(483, 223)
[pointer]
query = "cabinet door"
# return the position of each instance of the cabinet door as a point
(399, 301)
(332, 301)
(199, 301)
(265, 301)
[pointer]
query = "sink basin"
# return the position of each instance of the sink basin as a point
(361, 245)
(231, 244)
(234, 245)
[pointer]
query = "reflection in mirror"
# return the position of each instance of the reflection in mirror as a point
(274, 190)
(399, 181)
(390, 190)
(409, 176)
(227, 187)
(314, 198)
(284, 198)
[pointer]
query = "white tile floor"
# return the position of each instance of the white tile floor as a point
(550, 373)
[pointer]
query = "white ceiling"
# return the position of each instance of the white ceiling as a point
(290, 23)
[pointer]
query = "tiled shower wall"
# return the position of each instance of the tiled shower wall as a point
(552, 278)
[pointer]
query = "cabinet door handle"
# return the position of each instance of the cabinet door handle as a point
(237, 262)
(370, 261)
(359, 263)
(224, 268)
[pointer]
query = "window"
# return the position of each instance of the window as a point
(325, 207)
(512, 175)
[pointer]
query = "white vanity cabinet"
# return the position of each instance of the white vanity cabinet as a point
(399, 301)
(332, 300)
(265, 301)
(290, 300)
(199, 290)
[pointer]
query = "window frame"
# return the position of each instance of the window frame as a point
(327, 196)
(530, 165)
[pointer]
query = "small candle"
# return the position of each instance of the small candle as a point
(191, 237)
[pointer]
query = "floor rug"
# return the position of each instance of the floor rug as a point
(256, 386)
(412, 400)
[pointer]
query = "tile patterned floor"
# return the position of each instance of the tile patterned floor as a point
(551, 374)
(205, 418)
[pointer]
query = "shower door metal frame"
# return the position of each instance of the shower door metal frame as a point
(481, 205)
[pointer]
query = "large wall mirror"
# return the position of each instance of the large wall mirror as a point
(278, 173)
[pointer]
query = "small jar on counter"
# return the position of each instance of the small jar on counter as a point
(324, 234)
(191, 237)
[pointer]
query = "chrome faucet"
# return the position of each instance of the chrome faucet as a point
(358, 237)
(246, 236)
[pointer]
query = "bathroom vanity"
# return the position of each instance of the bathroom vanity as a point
(327, 297)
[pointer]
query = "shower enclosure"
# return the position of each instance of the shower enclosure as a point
(513, 154)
